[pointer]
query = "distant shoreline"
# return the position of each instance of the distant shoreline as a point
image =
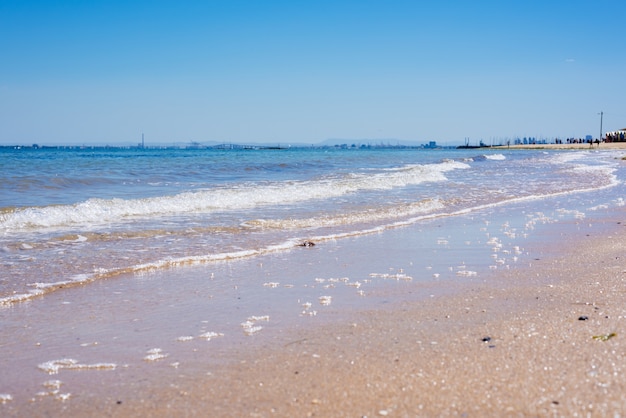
(257, 147)
(604, 145)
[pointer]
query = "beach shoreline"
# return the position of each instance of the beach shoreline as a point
(508, 343)
(583, 146)
(494, 349)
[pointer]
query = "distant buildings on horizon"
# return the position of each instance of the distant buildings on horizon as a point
(232, 146)
(333, 144)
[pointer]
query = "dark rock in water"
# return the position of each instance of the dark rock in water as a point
(307, 244)
(583, 318)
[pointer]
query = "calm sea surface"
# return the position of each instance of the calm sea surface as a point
(75, 216)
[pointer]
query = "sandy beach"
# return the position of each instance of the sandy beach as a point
(312, 209)
(545, 338)
(516, 347)
(505, 310)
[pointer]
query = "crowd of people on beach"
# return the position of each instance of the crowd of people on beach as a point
(616, 136)
(579, 141)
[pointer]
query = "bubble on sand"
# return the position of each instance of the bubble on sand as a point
(250, 327)
(155, 354)
(495, 243)
(53, 384)
(576, 213)
(325, 300)
(251, 330)
(307, 309)
(271, 284)
(63, 396)
(255, 318)
(53, 389)
(53, 367)
(210, 335)
(184, 338)
(356, 284)
(398, 277)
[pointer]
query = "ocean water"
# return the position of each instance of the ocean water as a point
(73, 217)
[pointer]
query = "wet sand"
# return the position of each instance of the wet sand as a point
(514, 347)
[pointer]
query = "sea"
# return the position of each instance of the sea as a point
(78, 216)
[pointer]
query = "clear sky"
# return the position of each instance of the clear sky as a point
(103, 72)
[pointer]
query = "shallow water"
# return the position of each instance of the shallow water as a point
(74, 217)
(177, 317)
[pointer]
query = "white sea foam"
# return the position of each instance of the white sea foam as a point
(41, 288)
(347, 218)
(103, 211)
(497, 157)
(357, 219)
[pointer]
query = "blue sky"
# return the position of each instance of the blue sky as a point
(103, 72)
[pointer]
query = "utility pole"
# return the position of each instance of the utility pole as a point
(601, 115)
